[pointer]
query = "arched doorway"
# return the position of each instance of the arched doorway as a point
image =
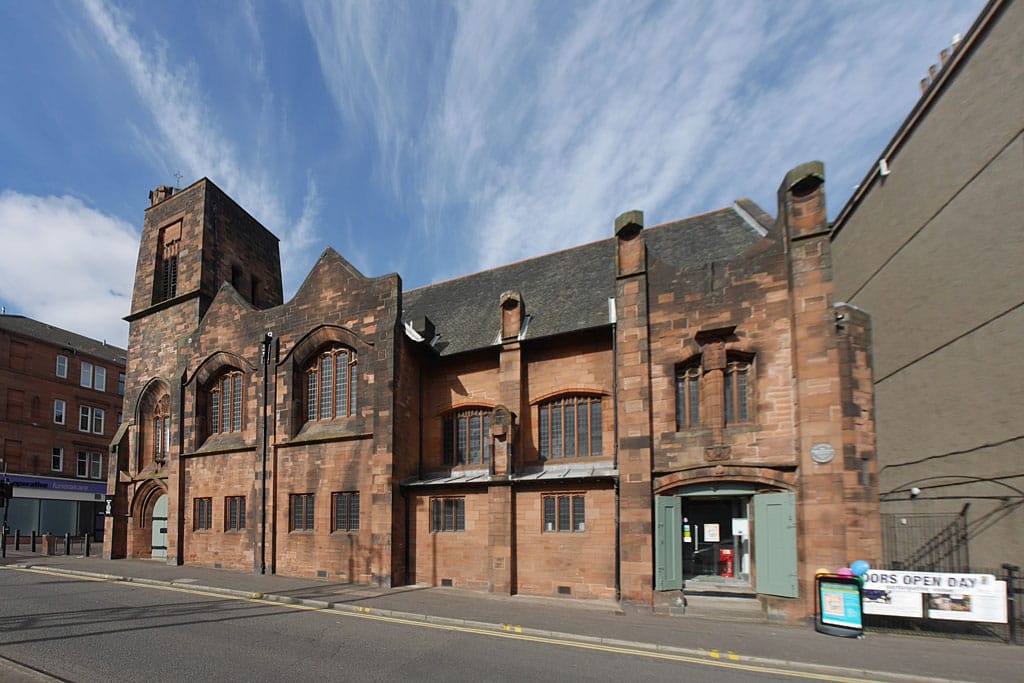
(159, 523)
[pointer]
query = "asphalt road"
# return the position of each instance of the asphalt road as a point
(82, 630)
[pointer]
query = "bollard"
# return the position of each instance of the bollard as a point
(87, 545)
(3, 543)
(17, 539)
(67, 544)
(33, 540)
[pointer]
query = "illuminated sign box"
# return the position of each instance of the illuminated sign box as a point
(840, 610)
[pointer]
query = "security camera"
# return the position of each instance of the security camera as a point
(915, 492)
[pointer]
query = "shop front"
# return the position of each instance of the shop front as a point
(51, 505)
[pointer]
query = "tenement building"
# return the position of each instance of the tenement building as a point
(60, 404)
(673, 409)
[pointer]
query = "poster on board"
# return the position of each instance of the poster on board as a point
(946, 595)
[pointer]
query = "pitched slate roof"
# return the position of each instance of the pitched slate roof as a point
(568, 290)
(27, 327)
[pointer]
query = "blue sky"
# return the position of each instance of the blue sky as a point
(428, 138)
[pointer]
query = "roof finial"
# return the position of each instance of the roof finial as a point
(178, 177)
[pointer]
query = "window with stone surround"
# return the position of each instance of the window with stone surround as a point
(467, 437)
(570, 427)
(691, 384)
(225, 401)
(202, 518)
(62, 366)
(737, 388)
(565, 512)
(688, 394)
(345, 511)
(301, 511)
(447, 514)
(331, 385)
(166, 276)
(57, 460)
(59, 411)
(234, 513)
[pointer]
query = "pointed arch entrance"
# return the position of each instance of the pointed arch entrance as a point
(158, 547)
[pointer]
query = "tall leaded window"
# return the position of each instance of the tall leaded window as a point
(570, 427)
(467, 437)
(331, 383)
(226, 402)
(688, 395)
(737, 400)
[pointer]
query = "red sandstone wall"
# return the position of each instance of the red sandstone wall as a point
(585, 562)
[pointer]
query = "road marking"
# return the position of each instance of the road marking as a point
(508, 632)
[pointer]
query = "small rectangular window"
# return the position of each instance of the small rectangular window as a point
(57, 460)
(346, 511)
(100, 379)
(62, 367)
(96, 465)
(98, 416)
(203, 517)
(83, 465)
(449, 514)
(302, 513)
(120, 384)
(84, 418)
(86, 375)
(565, 513)
(59, 407)
(234, 513)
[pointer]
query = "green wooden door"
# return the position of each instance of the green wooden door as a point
(775, 544)
(668, 551)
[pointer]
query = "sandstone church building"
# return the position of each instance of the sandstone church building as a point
(673, 409)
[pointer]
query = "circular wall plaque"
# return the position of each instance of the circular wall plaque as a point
(822, 453)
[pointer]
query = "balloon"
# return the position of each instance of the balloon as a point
(860, 568)
(820, 571)
(845, 572)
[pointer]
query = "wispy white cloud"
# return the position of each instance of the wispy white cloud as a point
(552, 125)
(192, 135)
(549, 119)
(67, 264)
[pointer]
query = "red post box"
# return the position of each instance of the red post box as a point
(725, 562)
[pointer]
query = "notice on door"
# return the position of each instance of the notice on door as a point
(711, 533)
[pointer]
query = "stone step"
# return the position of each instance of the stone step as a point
(739, 608)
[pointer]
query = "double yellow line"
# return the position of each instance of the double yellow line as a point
(714, 658)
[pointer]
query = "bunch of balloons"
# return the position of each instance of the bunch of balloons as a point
(856, 569)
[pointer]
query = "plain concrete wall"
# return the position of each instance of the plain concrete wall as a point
(935, 253)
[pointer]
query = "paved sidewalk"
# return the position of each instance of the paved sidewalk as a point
(899, 657)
